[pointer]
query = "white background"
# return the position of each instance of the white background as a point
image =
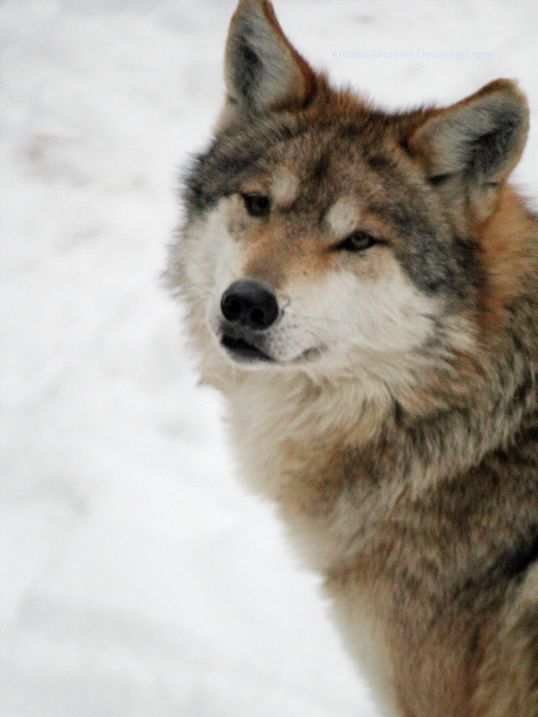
(137, 578)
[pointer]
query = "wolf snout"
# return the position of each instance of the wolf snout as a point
(250, 304)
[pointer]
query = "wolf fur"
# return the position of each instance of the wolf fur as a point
(395, 425)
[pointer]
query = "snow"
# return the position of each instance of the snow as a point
(138, 579)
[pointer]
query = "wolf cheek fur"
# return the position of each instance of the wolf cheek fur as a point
(388, 404)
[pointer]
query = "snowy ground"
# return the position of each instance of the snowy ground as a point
(130, 581)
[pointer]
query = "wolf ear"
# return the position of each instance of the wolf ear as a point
(480, 138)
(263, 71)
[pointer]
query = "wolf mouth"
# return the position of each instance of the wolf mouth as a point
(242, 349)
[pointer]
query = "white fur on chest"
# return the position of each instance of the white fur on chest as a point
(270, 411)
(287, 433)
(357, 612)
(266, 417)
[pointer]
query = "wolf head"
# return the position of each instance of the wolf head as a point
(325, 236)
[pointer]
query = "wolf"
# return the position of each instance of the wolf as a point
(362, 288)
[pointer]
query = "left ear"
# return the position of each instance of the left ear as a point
(480, 138)
(263, 71)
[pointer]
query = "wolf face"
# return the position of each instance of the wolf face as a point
(301, 262)
(328, 237)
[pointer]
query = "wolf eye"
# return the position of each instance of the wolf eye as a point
(358, 241)
(257, 205)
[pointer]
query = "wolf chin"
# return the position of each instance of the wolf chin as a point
(362, 287)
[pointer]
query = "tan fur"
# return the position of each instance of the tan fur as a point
(343, 217)
(284, 188)
(505, 239)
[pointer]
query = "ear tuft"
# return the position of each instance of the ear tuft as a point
(480, 138)
(263, 71)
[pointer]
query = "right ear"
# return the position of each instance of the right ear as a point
(263, 71)
(480, 138)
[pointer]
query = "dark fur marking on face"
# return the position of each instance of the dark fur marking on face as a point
(424, 255)
(214, 174)
(439, 179)
(488, 152)
(247, 65)
(233, 155)
(220, 170)
(379, 163)
(320, 168)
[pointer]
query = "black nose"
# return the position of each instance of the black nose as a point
(250, 304)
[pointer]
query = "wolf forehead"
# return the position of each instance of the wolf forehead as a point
(317, 151)
(355, 155)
